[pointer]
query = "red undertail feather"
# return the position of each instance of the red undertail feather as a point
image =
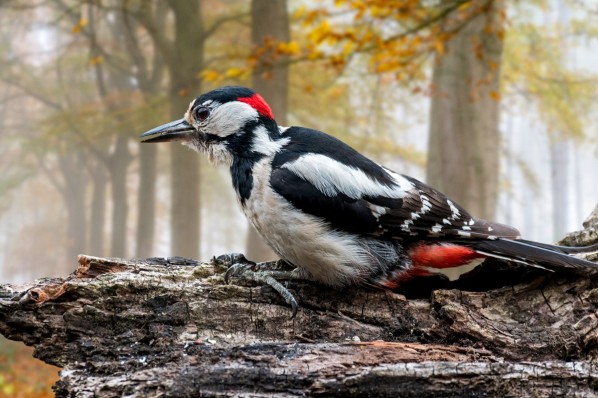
(259, 104)
(449, 260)
(453, 260)
(442, 256)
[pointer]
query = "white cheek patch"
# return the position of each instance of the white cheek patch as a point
(229, 118)
(332, 177)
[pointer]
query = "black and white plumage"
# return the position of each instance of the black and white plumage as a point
(338, 216)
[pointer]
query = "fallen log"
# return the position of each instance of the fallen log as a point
(172, 327)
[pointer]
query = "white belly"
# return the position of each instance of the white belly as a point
(331, 257)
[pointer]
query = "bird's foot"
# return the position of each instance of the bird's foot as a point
(261, 273)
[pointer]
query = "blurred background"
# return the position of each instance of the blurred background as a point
(491, 101)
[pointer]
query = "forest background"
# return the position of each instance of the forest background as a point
(491, 101)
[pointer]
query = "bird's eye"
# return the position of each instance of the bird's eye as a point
(201, 113)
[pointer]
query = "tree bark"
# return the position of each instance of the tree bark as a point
(172, 327)
(269, 19)
(464, 141)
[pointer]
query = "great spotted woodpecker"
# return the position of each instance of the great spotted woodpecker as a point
(336, 215)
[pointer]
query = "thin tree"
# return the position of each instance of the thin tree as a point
(464, 140)
(269, 20)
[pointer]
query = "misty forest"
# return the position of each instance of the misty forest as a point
(493, 102)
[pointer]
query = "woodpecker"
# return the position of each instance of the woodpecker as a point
(334, 214)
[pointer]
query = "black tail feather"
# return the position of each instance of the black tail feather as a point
(562, 249)
(533, 253)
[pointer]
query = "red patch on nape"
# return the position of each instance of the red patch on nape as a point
(259, 104)
(442, 256)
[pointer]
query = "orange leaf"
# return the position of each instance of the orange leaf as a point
(439, 46)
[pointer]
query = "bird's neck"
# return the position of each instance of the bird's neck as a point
(260, 141)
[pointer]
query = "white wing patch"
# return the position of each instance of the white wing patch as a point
(332, 177)
(263, 144)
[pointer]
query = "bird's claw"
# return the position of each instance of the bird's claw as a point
(231, 258)
(250, 271)
(239, 269)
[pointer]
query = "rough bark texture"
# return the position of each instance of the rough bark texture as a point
(171, 327)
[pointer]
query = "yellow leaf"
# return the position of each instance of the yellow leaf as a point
(320, 33)
(299, 12)
(234, 72)
(348, 48)
(314, 54)
(210, 75)
(96, 60)
(80, 25)
(293, 48)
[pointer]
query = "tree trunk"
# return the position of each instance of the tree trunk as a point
(185, 64)
(120, 159)
(269, 19)
(560, 162)
(172, 327)
(464, 141)
(146, 201)
(98, 209)
(560, 151)
(117, 80)
(149, 73)
(72, 167)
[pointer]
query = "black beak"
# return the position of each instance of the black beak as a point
(179, 130)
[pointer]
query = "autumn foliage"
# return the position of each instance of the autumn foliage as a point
(396, 36)
(21, 375)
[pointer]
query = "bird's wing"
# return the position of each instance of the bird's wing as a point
(366, 198)
(426, 212)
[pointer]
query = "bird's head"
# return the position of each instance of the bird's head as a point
(226, 122)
